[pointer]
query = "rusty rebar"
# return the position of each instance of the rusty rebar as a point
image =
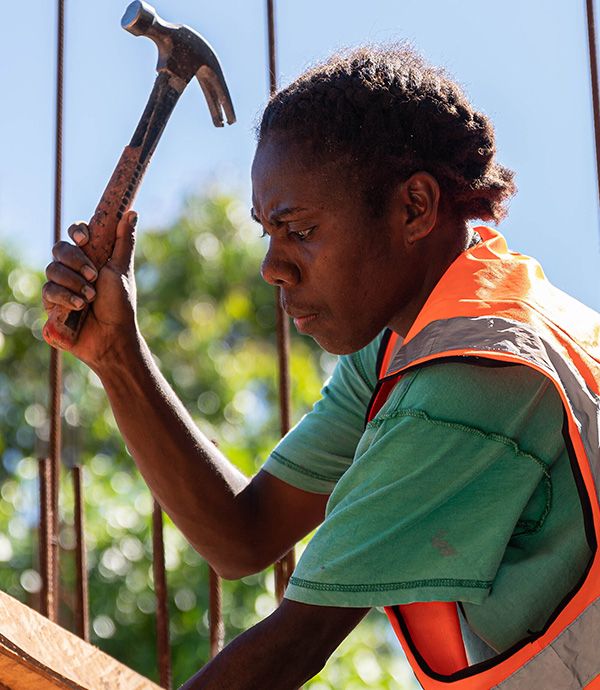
(282, 324)
(285, 566)
(593, 54)
(216, 627)
(45, 545)
(215, 617)
(54, 479)
(272, 46)
(58, 149)
(160, 590)
(82, 616)
(55, 372)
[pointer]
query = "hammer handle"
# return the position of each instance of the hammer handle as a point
(64, 325)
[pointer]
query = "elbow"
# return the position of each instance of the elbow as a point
(236, 563)
(232, 571)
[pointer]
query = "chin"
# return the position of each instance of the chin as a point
(341, 346)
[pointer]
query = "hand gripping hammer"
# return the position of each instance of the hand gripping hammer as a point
(182, 54)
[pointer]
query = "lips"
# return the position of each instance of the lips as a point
(297, 311)
(303, 323)
(302, 317)
(297, 314)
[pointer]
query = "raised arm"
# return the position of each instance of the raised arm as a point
(239, 525)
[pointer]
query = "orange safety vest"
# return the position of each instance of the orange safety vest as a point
(497, 304)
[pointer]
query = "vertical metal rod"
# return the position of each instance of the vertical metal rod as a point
(285, 566)
(82, 627)
(591, 29)
(54, 479)
(216, 628)
(60, 62)
(215, 618)
(45, 543)
(160, 588)
(272, 41)
(55, 373)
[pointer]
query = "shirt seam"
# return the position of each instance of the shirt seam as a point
(389, 586)
(300, 469)
(524, 527)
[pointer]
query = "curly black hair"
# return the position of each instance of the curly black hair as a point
(391, 114)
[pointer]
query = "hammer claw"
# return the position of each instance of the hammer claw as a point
(217, 95)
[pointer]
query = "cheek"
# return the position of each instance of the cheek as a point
(367, 275)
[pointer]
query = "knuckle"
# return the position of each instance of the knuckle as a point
(60, 249)
(46, 291)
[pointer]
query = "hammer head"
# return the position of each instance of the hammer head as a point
(183, 53)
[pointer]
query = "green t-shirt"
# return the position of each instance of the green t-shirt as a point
(460, 489)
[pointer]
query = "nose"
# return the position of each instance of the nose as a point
(278, 269)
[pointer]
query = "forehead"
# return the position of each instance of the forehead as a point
(285, 172)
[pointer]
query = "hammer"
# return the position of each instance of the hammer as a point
(182, 53)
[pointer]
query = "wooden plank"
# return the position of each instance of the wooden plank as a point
(36, 654)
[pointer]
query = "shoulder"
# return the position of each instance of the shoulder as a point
(515, 400)
(471, 383)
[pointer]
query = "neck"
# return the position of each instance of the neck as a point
(438, 251)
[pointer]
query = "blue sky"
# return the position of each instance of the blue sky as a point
(524, 63)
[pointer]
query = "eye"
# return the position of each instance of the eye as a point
(302, 235)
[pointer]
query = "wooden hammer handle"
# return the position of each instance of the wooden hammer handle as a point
(63, 325)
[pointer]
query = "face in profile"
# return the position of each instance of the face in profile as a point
(342, 274)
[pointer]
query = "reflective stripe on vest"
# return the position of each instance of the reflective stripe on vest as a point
(495, 304)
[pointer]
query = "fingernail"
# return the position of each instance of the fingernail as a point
(77, 302)
(133, 219)
(88, 292)
(79, 236)
(89, 273)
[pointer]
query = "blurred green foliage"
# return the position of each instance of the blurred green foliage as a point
(209, 320)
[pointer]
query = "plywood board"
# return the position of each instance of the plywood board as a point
(36, 654)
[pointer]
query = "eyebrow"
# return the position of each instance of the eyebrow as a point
(278, 215)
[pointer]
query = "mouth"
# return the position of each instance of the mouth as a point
(302, 318)
(302, 323)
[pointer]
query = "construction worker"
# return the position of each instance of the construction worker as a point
(451, 460)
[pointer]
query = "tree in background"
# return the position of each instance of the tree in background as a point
(209, 319)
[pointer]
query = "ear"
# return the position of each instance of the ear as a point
(419, 198)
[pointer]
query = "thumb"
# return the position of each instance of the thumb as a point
(122, 256)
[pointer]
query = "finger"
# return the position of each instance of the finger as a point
(53, 295)
(122, 256)
(73, 257)
(71, 280)
(79, 233)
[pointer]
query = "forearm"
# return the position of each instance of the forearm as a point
(197, 486)
(256, 660)
(281, 652)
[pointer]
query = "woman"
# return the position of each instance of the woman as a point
(435, 460)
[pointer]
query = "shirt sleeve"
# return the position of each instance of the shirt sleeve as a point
(320, 448)
(450, 467)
